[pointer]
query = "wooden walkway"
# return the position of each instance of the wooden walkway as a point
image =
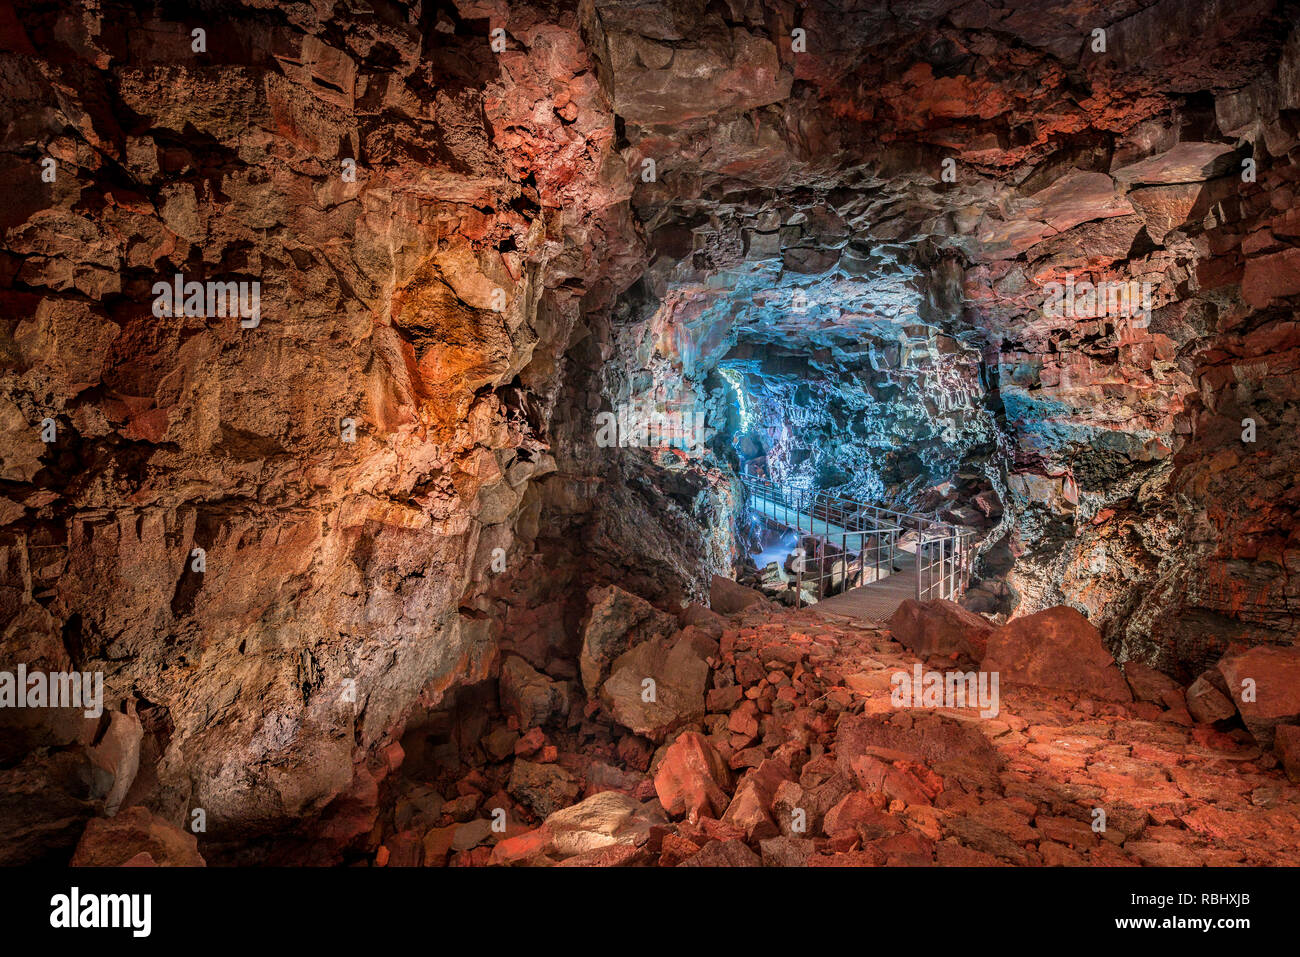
(878, 600)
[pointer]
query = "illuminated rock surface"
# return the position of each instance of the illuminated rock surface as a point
(396, 481)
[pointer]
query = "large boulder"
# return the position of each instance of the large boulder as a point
(727, 597)
(705, 619)
(1286, 743)
(1057, 648)
(660, 685)
(940, 628)
(118, 753)
(751, 806)
(543, 787)
(1206, 702)
(617, 620)
(692, 779)
(603, 819)
(1264, 683)
(528, 694)
(1148, 684)
(136, 837)
(1186, 162)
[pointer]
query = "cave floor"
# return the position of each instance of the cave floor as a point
(1174, 793)
(810, 725)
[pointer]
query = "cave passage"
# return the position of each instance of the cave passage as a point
(706, 433)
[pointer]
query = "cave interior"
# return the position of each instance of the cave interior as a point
(445, 551)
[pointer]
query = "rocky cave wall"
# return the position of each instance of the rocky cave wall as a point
(621, 200)
(431, 301)
(822, 227)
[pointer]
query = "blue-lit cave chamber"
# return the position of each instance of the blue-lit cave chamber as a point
(835, 374)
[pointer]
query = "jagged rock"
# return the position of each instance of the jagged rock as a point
(786, 851)
(658, 686)
(615, 855)
(118, 752)
(940, 628)
(500, 743)
(727, 598)
(1148, 684)
(1272, 676)
(108, 842)
(1187, 162)
(1207, 703)
(1286, 742)
(1057, 648)
(723, 854)
(601, 820)
(437, 845)
(751, 805)
(616, 622)
(545, 788)
(1271, 277)
(703, 618)
(529, 695)
(692, 779)
(470, 834)
(1166, 208)
(404, 849)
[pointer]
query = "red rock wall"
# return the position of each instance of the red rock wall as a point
(475, 172)
(466, 301)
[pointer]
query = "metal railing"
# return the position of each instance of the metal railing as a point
(943, 563)
(869, 538)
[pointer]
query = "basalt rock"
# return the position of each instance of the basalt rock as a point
(940, 628)
(658, 686)
(1263, 684)
(692, 778)
(136, 838)
(726, 597)
(617, 621)
(1057, 648)
(527, 313)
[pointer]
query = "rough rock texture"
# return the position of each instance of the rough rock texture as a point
(617, 621)
(727, 598)
(302, 545)
(1264, 684)
(328, 560)
(660, 685)
(940, 628)
(136, 838)
(528, 695)
(832, 772)
(691, 778)
(1056, 648)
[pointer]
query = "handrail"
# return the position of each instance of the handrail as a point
(943, 550)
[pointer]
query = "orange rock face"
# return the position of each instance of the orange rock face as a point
(1059, 649)
(328, 521)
